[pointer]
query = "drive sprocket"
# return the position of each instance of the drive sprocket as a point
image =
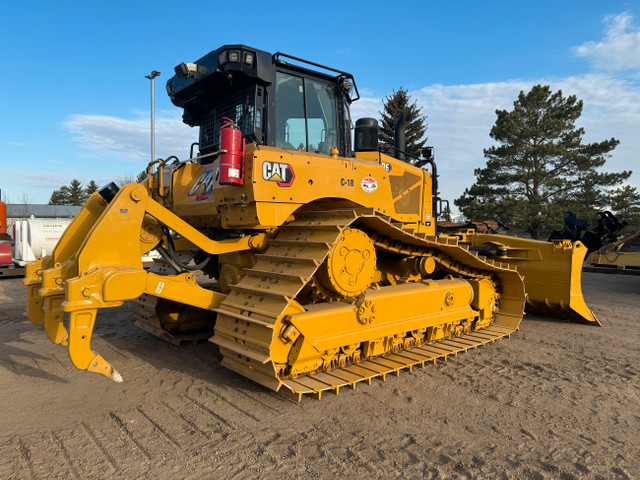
(350, 265)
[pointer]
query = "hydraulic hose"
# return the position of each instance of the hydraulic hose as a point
(172, 254)
(164, 254)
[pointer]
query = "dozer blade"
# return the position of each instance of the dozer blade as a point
(552, 274)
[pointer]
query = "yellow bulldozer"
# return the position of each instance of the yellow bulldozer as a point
(312, 264)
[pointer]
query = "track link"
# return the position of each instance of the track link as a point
(245, 326)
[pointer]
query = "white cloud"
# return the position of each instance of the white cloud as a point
(31, 185)
(130, 138)
(366, 107)
(620, 47)
(461, 116)
(36, 179)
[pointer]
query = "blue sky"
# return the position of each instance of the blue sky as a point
(74, 101)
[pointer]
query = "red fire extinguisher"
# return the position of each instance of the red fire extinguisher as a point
(3, 217)
(232, 156)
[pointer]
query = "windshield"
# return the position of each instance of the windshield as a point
(305, 114)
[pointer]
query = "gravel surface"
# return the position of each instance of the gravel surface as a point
(557, 400)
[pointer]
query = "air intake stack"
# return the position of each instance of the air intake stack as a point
(366, 135)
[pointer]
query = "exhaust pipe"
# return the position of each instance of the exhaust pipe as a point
(399, 142)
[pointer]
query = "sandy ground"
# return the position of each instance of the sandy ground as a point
(557, 400)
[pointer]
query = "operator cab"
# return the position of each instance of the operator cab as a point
(274, 102)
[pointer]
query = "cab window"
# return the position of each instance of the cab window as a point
(305, 114)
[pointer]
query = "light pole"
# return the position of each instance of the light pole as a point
(151, 76)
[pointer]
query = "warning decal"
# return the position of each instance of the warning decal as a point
(369, 184)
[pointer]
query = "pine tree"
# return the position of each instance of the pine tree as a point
(77, 194)
(60, 196)
(540, 167)
(625, 204)
(141, 176)
(393, 106)
(92, 187)
(72, 194)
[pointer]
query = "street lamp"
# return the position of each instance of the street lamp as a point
(151, 76)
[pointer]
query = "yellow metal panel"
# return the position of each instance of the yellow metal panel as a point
(552, 273)
(280, 181)
(125, 284)
(74, 234)
(121, 220)
(182, 288)
(399, 308)
(53, 319)
(379, 314)
(35, 304)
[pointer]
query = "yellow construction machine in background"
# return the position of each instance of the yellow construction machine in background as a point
(623, 255)
(313, 265)
(608, 250)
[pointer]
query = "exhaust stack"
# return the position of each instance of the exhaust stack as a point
(399, 142)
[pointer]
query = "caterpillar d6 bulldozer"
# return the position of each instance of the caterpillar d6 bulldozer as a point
(312, 264)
